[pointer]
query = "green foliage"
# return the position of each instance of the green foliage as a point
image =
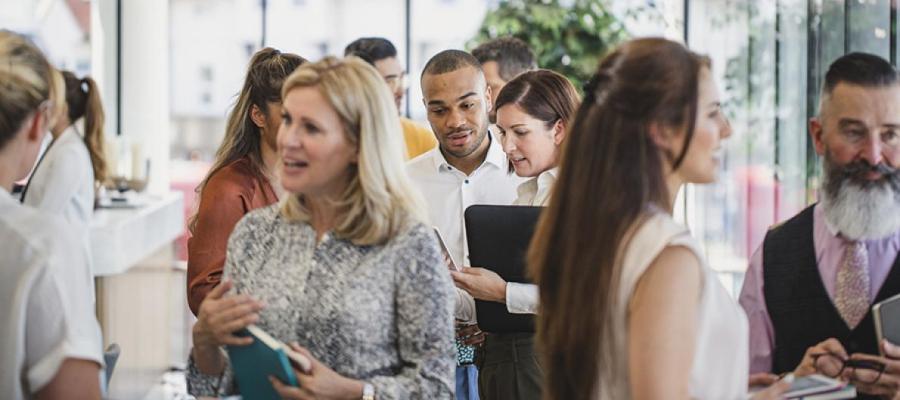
(568, 38)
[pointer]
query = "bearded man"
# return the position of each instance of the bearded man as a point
(810, 286)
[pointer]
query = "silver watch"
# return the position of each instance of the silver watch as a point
(368, 391)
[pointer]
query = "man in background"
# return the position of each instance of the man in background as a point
(382, 55)
(502, 59)
(810, 286)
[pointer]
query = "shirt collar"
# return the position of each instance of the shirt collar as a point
(535, 184)
(495, 156)
(547, 177)
(819, 213)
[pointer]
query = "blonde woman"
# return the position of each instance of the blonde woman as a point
(242, 178)
(49, 337)
(343, 266)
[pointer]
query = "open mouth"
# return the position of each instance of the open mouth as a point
(460, 138)
(293, 165)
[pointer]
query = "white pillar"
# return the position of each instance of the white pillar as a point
(144, 63)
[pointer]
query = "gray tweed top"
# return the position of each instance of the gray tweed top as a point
(382, 314)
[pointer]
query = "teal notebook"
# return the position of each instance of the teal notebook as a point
(254, 363)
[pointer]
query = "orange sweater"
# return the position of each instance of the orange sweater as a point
(232, 192)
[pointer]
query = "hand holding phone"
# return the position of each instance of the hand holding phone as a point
(448, 257)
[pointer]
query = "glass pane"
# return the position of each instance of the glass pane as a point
(62, 29)
(315, 28)
(869, 23)
(791, 133)
(731, 216)
(437, 25)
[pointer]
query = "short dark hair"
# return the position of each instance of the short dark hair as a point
(449, 61)
(371, 49)
(513, 56)
(861, 69)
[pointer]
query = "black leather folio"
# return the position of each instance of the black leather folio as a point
(498, 238)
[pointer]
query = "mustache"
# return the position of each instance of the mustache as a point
(856, 171)
(858, 168)
(459, 130)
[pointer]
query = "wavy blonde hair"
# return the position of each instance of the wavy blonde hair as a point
(380, 200)
(26, 81)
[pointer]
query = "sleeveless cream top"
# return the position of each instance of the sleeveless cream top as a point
(720, 366)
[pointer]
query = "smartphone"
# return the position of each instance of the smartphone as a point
(448, 257)
(887, 323)
(812, 384)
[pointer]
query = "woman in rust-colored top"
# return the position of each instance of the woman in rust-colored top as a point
(242, 177)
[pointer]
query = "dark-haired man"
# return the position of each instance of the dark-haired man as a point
(382, 55)
(810, 286)
(468, 167)
(502, 59)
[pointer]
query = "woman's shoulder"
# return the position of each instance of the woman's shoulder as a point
(658, 228)
(652, 234)
(261, 219)
(237, 177)
(413, 240)
(69, 148)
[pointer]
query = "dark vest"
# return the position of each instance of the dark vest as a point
(802, 314)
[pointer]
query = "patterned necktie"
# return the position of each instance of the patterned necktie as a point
(852, 285)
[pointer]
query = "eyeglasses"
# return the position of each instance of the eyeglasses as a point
(397, 82)
(832, 366)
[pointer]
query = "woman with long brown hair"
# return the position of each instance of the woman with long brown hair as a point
(242, 178)
(629, 307)
(73, 166)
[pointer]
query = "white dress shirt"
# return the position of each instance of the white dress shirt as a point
(63, 183)
(46, 299)
(448, 192)
(522, 298)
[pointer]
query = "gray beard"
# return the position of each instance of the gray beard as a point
(857, 208)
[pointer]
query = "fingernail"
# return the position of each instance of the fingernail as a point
(789, 378)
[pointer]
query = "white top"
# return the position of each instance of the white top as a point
(720, 366)
(46, 299)
(63, 183)
(522, 298)
(448, 192)
(536, 190)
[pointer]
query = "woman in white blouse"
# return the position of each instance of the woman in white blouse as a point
(49, 337)
(65, 179)
(533, 112)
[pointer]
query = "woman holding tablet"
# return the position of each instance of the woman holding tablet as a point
(533, 112)
(343, 266)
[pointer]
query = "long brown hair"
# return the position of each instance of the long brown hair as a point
(543, 94)
(267, 71)
(611, 170)
(83, 101)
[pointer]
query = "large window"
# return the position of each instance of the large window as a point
(769, 58)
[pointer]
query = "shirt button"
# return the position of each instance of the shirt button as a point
(467, 181)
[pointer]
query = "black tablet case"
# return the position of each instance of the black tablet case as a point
(498, 239)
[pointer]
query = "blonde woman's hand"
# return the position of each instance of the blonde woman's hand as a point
(319, 382)
(482, 284)
(221, 315)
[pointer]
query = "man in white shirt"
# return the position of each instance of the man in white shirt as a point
(468, 167)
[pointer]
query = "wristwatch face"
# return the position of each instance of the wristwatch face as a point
(368, 392)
